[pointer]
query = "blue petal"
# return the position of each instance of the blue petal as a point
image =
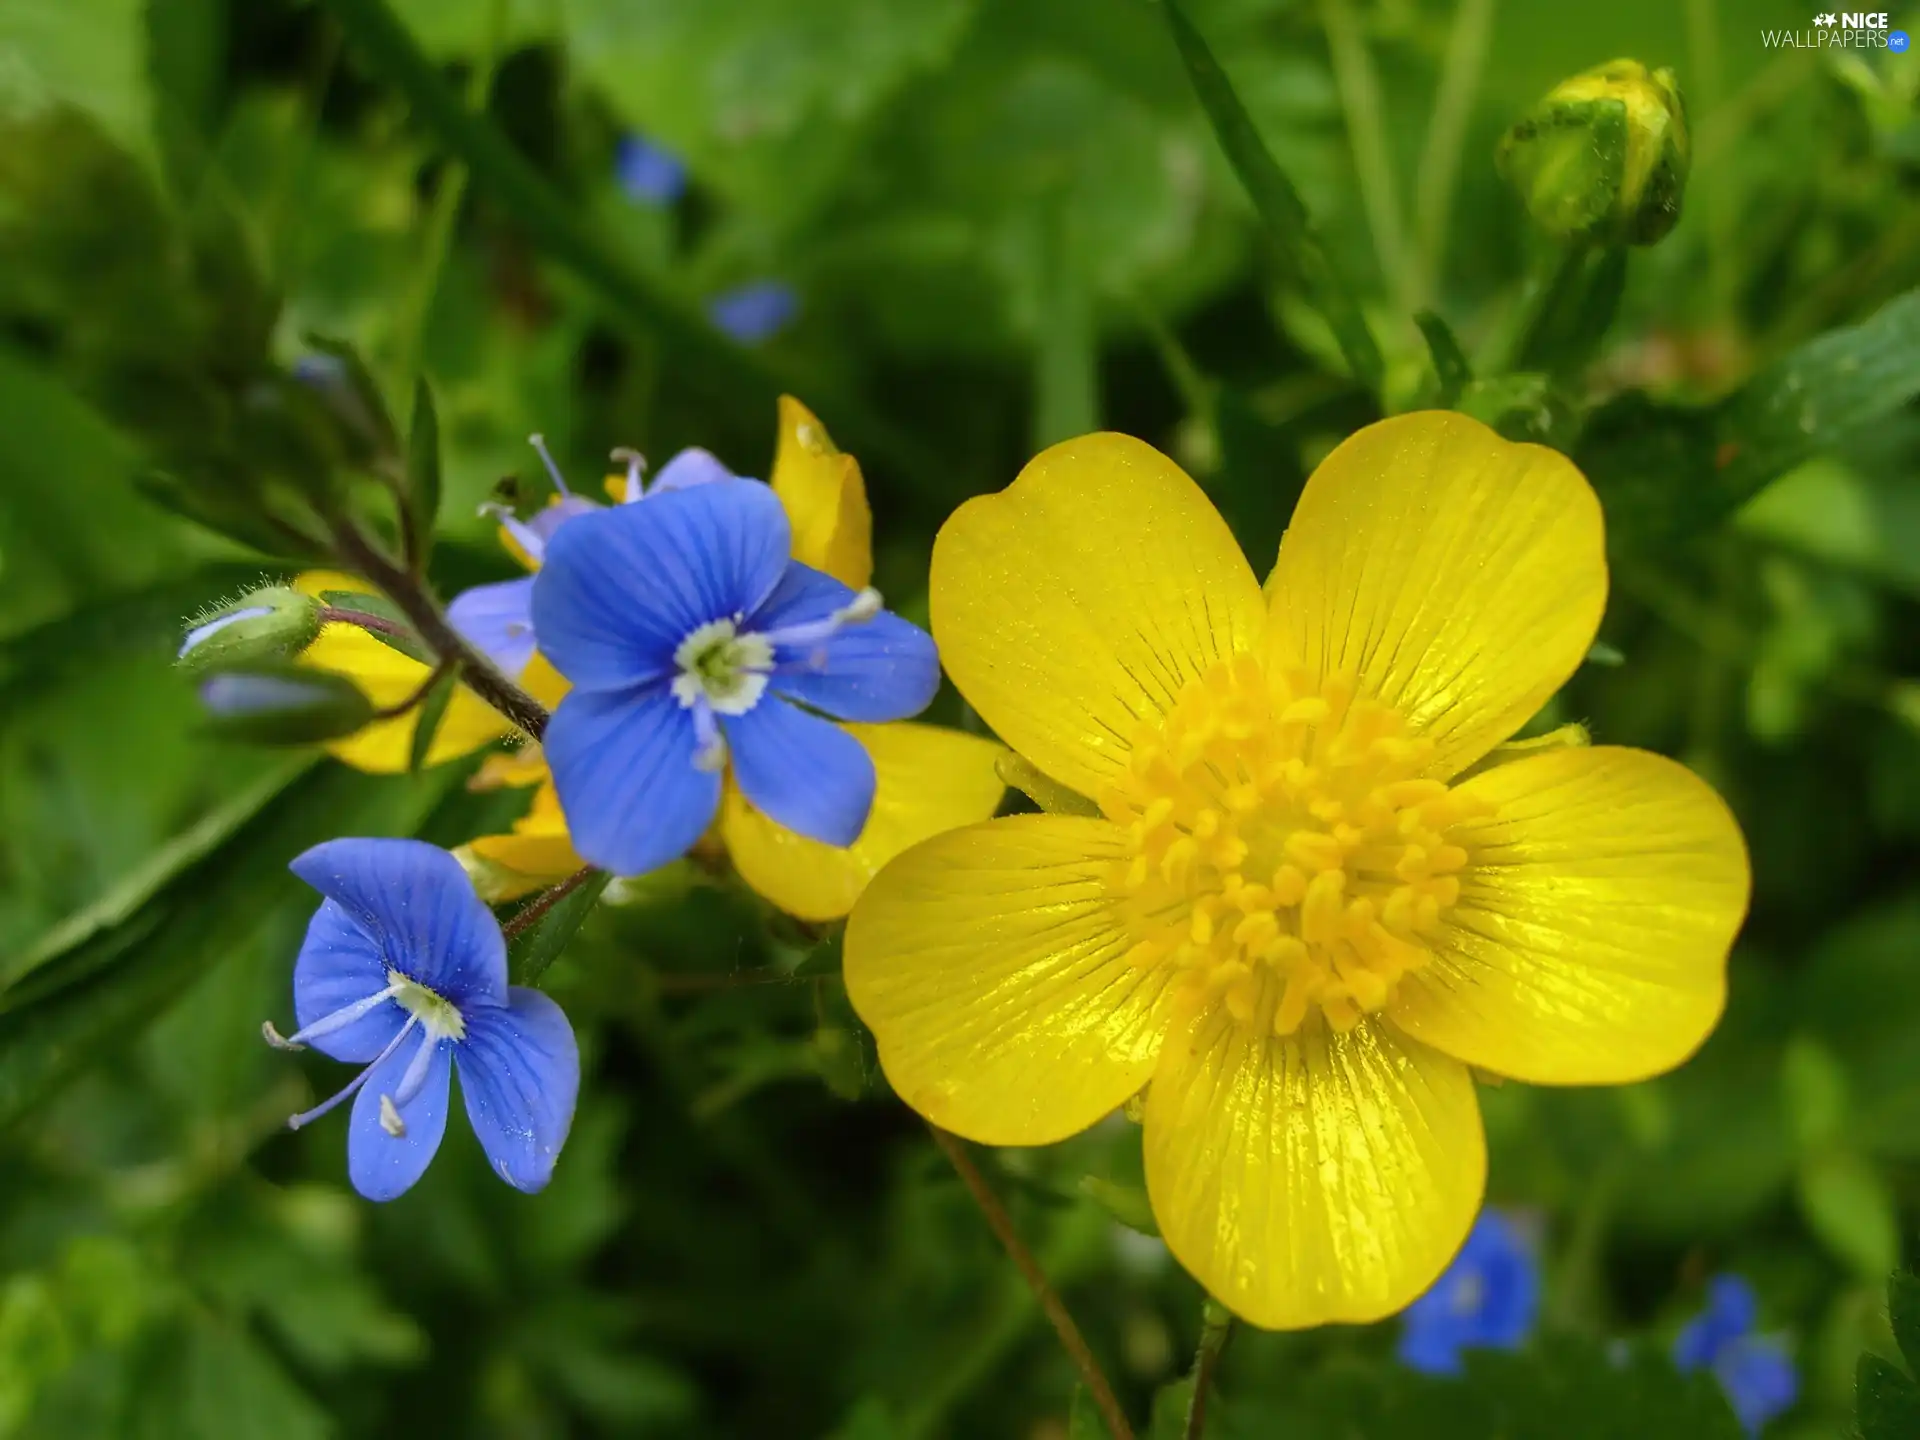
(1432, 1349)
(417, 906)
(873, 670)
(690, 467)
(380, 1165)
(648, 173)
(1732, 1312)
(340, 964)
(1759, 1379)
(801, 771)
(520, 1074)
(755, 312)
(622, 588)
(498, 621)
(623, 766)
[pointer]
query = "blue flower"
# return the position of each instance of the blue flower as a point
(691, 636)
(404, 972)
(497, 619)
(647, 173)
(1755, 1372)
(1488, 1297)
(755, 312)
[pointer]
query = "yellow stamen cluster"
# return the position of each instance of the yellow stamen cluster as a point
(1285, 852)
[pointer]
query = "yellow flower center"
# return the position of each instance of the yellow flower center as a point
(1285, 852)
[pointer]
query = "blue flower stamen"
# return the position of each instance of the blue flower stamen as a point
(402, 946)
(636, 464)
(539, 443)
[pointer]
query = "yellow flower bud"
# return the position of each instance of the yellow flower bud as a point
(1604, 156)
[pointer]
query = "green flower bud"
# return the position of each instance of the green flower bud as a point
(273, 623)
(283, 705)
(1604, 156)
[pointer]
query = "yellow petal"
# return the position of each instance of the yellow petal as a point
(1589, 944)
(826, 498)
(538, 852)
(387, 677)
(1079, 600)
(1317, 1178)
(990, 966)
(1460, 577)
(927, 781)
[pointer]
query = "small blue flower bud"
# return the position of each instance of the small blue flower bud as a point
(272, 623)
(1604, 157)
(648, 174)
(756, 312)
(283, 705)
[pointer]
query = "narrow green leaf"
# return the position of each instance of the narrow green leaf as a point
(1276, 200)
(432, 711)
(73, 936)
(1850, 1205)
(1450, 365)
(367, 411)
(128, 973)
(1066, 355)
(379, 607)
(1903, 1309)
(423, 467)
(1666, 472)
(539, 945)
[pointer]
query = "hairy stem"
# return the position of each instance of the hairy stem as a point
(411, 595)
(1215, 1326)
(1050, 1303)
(530, 912)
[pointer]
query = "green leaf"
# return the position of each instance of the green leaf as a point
(125, 974)
(1850, 1206)
(423, 468)
(1888, 1402)
(74, 935)
(1083, 1417)
(1170, 1405)
(1450, 365)
(1903, 1310)
(356, 602)
(92, 56)
(427, 719)
(186, 42)
(1666, 472)
(1276, 200)
(539, 945)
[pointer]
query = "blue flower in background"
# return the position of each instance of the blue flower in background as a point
(755, 312)
(404, 972)
(1489, 1297)
(1756, 1373)
(693, 639)
(647, 173)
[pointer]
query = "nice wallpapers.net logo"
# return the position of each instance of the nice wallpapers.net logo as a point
(1841, 30)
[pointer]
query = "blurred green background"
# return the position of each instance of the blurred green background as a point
(996, 223)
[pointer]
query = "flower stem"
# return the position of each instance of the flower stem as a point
(1050, 1303)
(410, 593)
(394, 712)
(528, 913)
(1215, 1326)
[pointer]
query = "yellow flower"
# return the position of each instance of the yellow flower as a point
(927, 779)
(1295, 918)
(387, 677)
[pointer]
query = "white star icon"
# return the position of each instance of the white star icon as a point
(1828, 19)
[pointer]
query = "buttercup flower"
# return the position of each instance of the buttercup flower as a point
(692, 639)
(1488, 1299)
(404, 972)
(1309, 894)
(1756, 1373)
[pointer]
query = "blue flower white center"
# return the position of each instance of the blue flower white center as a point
(428, 1010)
(724, 668)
